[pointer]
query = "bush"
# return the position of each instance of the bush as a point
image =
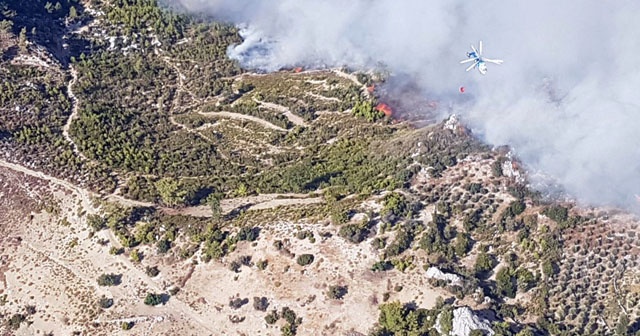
(305, 259)
(109, 279)
(248, 234)
(135, 256)
(245, 260)
(116, 250)
(234, 266)
(96, 222)
(163, 245)
(260, 303)
(152, 271)
(153, 299)
(337, 292)
(262, 264)
(105, 302)
(484, 263)
(515, 208)
(238, 302)
(353, 232)
(272, 317)
(15, 320)
(396, 205)
(556, 213)
(126, 325)
(506, 283)
(31, 310)
(381, 266)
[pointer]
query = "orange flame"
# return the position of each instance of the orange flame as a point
(384, 108)
(298, 70)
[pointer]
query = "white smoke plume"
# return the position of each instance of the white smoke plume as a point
(566, 99)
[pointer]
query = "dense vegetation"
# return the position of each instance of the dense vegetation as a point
(166, 116)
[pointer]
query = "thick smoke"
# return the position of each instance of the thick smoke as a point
(565, 99)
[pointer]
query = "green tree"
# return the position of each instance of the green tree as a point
(446, 319)
(213, 200)
(484, 263)
(526, 279)
(169, 190)
(506, 282)
(462, 244)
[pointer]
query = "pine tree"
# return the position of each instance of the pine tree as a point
(22, 40)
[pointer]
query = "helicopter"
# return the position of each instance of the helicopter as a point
(480, 62)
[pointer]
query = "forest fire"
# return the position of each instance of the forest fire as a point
(384, 108)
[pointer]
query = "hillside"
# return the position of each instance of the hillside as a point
(151, 186)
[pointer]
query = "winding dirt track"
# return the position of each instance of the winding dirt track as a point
(258, 202)
(74, 113)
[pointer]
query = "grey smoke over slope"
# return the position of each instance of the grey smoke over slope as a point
(566, 98)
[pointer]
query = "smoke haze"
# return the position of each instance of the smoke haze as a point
(565, 99)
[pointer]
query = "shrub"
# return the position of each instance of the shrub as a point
(262, 264)
(31, 310)
(272, 317)
(96, 222)
(506, 283)
(109, 279)
(484, 263)
(135, 256)
(105, 302)
(260, 303)
(381, 266)
(163, 245)
(126, 325)
(248, 234)
(395, 204)
(353, 232)
(15, 320)
(556, 213)
(152, 271)
(116, 250)
(305, 259)
(238, 302)
(153, 299)
(337, 292)
(234, 266)
(515, 208)
(245, 260)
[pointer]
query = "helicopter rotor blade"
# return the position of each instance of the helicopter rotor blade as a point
(472, 66)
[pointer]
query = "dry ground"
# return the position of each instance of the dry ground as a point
(50, 260)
